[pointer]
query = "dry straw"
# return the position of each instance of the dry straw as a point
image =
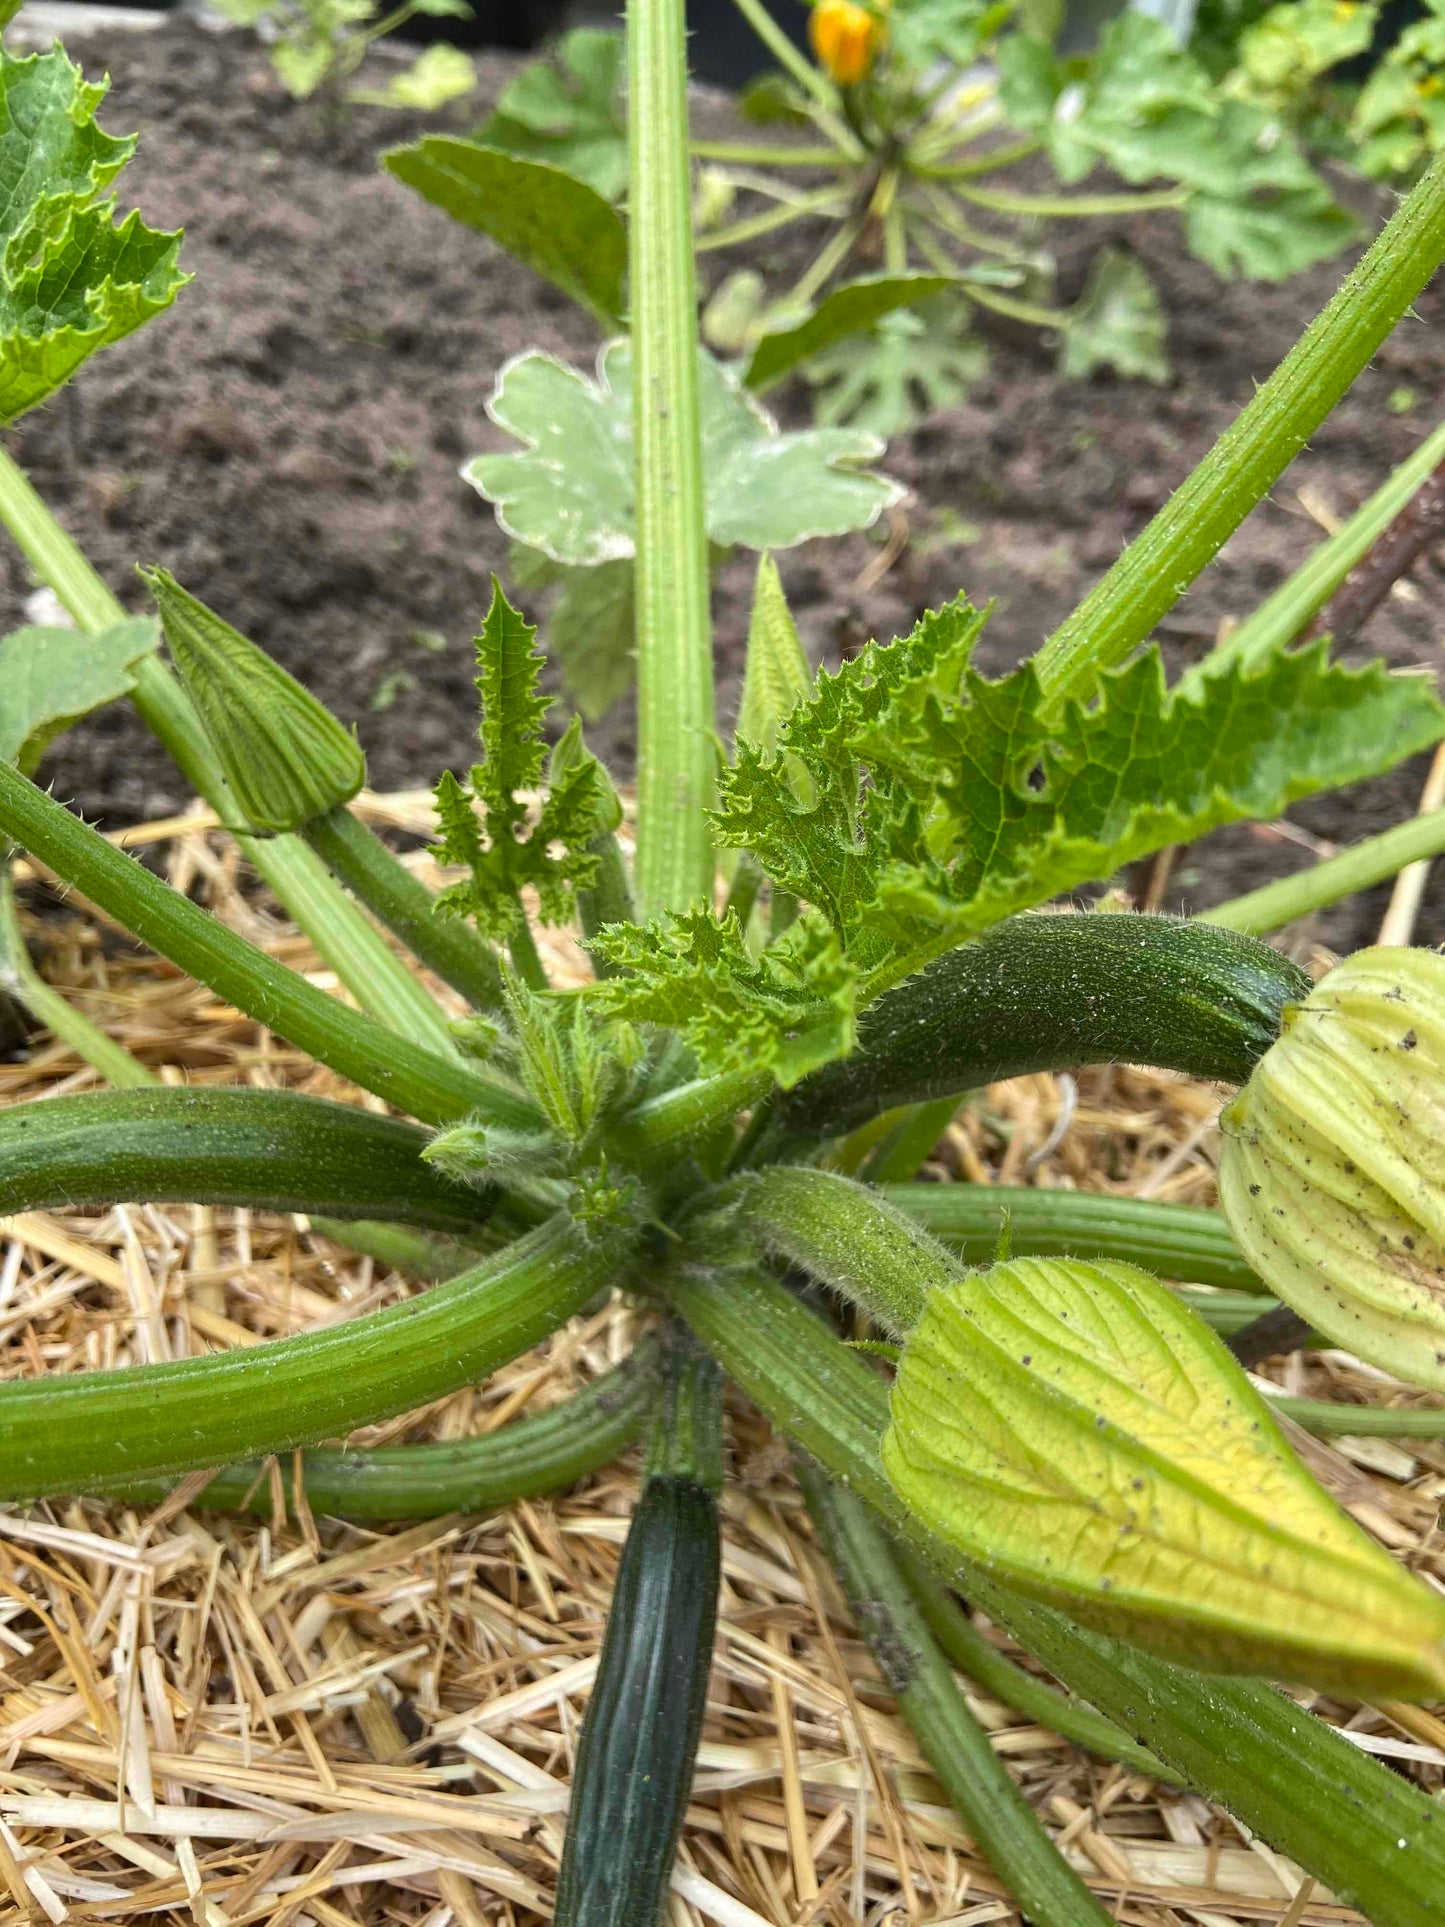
(290, 1720)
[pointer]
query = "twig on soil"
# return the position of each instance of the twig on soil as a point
(1415, 530)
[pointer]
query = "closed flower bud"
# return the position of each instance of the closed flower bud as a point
(1077, 1432)
(285, 756)
(1333, 1170)
(846, 38)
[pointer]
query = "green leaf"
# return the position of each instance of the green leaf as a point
(1142, 104)
(791, 1010)
(923, 32)
(1077, 1432)
(1258, 207)
(439, 74)
(909, 364)
(507, 846)
(50, 678)
(1118, 322)
(571, 493)
(557, 225)
(72, 280)
(849, 310)
(777, 676)
(1282, 55)
(941, 802)
(567, 109)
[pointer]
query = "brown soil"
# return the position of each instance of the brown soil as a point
(287, 441)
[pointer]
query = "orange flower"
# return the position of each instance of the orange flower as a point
(846, 38)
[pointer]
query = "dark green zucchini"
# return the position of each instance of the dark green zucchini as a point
(1043, 992)
(639, 1740)
(269, 1149)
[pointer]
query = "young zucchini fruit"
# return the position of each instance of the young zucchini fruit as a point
(1044, 992)
(639, 1740)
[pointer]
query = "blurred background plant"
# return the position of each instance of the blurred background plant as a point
(316, 46)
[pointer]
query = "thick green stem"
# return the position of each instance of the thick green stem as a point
(1298, 600)
(267, 1150)
(850, 1238)
(523, 1460)
(607, 900)
(1001, 200)
(686, 1436)
(977, 1657)
(955, 1745)
(77, 1432)
(447, 945)
(1376, 1840)
(1374, 861)
(433, 1088)
(343, 937)
(1175, 1240)
(675, 749)
(19, 976)
(1161, 563)
(1326, 1419)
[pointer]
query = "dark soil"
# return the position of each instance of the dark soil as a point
(287, 440)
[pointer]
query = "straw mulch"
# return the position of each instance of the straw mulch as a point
(291, 1720)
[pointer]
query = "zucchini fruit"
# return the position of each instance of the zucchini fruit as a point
(639, 1739)
(270, 1149)
(1047, 992)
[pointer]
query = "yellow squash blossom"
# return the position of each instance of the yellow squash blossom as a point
(846, 38)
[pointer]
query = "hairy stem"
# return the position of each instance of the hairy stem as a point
(675, 750)
(344, 938)
(447, 945)
(433, 1088)
(1373, 861)
(79, 1431)
(1161, 563)
(1287, 1775)
(523, 1460)
(918, 1675)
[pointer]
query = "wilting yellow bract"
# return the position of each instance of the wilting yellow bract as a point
(846, 38)
(1080, 1434)
(1333, 1170)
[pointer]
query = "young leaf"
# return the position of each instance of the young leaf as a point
(777, 676)
(558, 226)
(910, 363)
(71, 279)
(791, 1010)
(571, 493)
(568, 110)
(848, 310)
(1117, 323)
(580, 803)
(1077, 1432)
(50, 678)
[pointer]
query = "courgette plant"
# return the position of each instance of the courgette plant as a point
(1065, 1440)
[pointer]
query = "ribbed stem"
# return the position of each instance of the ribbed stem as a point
(675, 748)
(1175, 1240)
(1372, 861)
(19, 976)
(523, 1460)
(1364, 1831)
(447, 945)
(915, 1671)
(342, 935)
(1284, 616)
(77, 1432)
(356, 1047)
(1162, 562)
